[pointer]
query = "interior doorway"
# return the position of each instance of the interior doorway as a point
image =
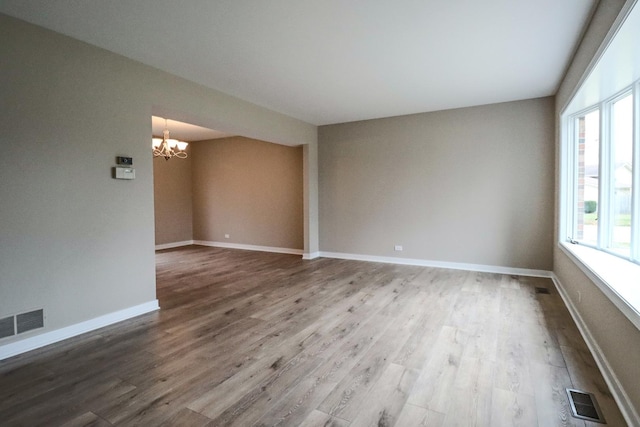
(230, 191)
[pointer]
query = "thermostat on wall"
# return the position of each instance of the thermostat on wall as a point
(124, 173)
(124, 161)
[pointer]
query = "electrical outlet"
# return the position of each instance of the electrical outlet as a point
(579, 296)
(397, 248)
(226, 236)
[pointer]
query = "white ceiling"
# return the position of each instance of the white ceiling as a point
(184, 131)
(331, 61)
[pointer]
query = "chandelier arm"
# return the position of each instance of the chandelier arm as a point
(166, 150)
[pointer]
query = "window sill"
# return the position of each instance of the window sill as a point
(618, 279)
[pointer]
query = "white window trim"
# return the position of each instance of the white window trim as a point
(617, 277)
(568, 165)
(635, 208)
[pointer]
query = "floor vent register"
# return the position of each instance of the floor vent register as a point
(585, 406)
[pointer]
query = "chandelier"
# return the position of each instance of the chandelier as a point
(167, 147)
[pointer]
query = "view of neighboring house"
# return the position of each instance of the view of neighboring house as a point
(620, 205)
(623, 181)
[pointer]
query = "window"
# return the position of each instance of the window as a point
(601, 204)
(602, 210)
(588, 170)
(621, 176)
(599, 188)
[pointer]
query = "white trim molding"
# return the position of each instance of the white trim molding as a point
(616, 278)
(249, 247)
(620, 396)
(440, 264)
(38, 341)
(173, 245)
(311, 255)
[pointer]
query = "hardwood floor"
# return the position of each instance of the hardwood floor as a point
(247, 338)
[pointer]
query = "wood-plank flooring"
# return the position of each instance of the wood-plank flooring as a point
(258, 339)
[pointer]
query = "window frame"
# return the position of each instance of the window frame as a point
(616, 275)
(633, 92)
(573, 174)
(635, 197)
(606, 171)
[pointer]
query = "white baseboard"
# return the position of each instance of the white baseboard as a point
(440, 264)
(620, 396)
(37, 341)
(173, 245)
(311, 255)
(249, 247)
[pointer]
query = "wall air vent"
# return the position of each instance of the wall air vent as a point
(584, 406)
(6, 327)
(31, 320)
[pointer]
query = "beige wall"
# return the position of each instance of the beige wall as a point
(249, 189)
(172, 199)
(616, 336)
(73, 240)
(472, 185)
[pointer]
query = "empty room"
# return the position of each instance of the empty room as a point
(234, 213)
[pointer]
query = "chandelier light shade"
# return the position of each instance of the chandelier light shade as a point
(167, 147)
